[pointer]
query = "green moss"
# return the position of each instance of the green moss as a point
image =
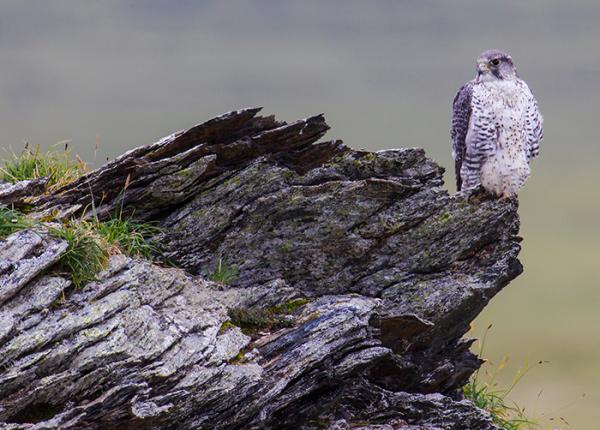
(284, 248)
(239, 358)
(226, 326)
(425, 258)
(289, 306)
(251, 320)
(395, 228)
(185, 173)
(343, 212)
(462, 203)
(199, 213)
(444, 217)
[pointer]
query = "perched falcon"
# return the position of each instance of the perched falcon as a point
(496, 127)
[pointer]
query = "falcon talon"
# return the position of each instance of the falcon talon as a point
(477, 194)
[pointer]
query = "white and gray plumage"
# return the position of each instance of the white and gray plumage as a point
(496, 127)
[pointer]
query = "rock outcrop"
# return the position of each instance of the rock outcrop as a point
(384, 269)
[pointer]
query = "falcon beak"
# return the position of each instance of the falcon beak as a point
(482, 67)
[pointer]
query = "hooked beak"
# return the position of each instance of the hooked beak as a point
(482, 67)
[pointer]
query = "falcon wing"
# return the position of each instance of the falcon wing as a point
(461, 114)
(534, 125)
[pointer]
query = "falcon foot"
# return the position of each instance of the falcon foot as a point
(477, 194)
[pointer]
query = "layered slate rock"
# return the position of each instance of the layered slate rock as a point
(393, 270)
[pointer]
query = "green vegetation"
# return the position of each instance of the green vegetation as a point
(504, 413)
(289, 306)
(58, 166)
(239, 358)
(226, 326)
(253, 319)
(85, 255)
(224, 273)
(12, 220)
(128, 237)
(90, 243)
(494, 399)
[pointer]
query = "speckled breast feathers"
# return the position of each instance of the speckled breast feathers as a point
(496, 131)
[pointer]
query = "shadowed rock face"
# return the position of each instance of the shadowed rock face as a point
(394, 270)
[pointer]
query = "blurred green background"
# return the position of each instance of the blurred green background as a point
(384, 73)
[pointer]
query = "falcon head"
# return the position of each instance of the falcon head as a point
(495, 65)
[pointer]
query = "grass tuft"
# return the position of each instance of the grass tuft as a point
(131, 238)
(58, 166)
(11, 220)
(86, 255)
(224, 273)
(489, 396)
(92, 242)
(505, 413)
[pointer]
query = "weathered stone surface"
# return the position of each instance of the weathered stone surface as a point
(365, 406)
(393, 268)
(16, 194)
(23, 256)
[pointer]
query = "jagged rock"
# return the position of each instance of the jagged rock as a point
(16, 194)
(393, 268)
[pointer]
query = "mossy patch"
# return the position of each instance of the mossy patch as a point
(289, 306)
(227, 325)
(252, 320)
(240, 358)
(444, 217)
(396, 228)
(288, 174)
(284, 248)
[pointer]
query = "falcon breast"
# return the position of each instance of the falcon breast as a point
(496, 128)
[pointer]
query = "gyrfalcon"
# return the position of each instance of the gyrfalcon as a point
(496, 127)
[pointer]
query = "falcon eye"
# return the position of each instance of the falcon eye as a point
(495, 61)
